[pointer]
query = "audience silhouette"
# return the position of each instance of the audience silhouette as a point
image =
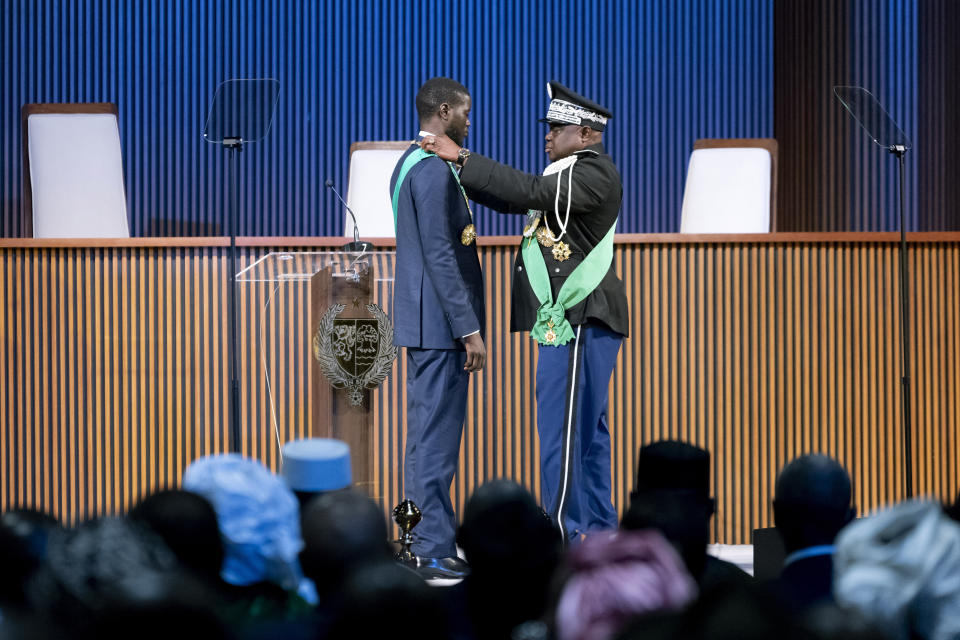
(672, 495)
(810, 507)
(235, 555)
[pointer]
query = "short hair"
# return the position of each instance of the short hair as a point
(435, 92)
(812, 501)
(814, 484)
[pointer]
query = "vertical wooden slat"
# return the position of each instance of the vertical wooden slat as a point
(758, 352)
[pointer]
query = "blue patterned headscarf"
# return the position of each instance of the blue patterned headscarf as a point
(258, 517)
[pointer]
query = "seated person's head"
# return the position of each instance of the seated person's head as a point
(900, 569)
(23, 548)
(513, 549)
(187, 523)
(258, 517)
(342, 531)
(387, 600)
(616, 576)
(315, 466)
(672, 495)
(104, 570)
(812, 501)
(504, 529)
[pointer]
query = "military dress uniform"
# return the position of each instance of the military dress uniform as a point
(579, 320)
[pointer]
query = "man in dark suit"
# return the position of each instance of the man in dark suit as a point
(567, 295)
(810, 507)
(672, 495)
(438, 316)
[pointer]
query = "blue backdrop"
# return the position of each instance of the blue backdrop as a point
(670, 71)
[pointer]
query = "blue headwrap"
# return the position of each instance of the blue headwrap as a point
(258, 516)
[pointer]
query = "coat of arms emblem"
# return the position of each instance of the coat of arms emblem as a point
(355, 353)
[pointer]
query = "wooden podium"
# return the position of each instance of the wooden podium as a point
(344, 329)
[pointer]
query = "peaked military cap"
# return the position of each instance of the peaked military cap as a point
(569, 107)
(673, 465)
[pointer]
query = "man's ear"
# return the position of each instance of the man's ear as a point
(444, 111)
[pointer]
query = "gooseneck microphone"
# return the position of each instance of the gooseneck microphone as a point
(356, 245)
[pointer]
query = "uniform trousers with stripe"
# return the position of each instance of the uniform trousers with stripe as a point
(436, 404)
(572, 384)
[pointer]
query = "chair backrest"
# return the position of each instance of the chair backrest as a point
(73, 171)
(731, 187)
(368, 187)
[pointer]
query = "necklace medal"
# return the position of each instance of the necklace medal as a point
(561, 251)
(468, 236)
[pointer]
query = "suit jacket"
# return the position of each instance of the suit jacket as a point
(438, 287)
(719, 574)
(807, 582)
(597, 193)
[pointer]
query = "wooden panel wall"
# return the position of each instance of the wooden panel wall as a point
(113, 369)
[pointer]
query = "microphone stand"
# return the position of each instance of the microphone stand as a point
(357, 246)
(241, 112)
(881, 128)
(900, 151)
(234, 146)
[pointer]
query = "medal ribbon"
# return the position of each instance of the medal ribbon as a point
(551, 316)
(412, 159)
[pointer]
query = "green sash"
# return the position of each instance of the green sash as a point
(551, 316)
(412, 159)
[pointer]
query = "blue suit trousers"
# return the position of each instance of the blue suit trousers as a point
(572, 384)
(436, 404)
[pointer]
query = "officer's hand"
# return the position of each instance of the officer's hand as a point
(476, 353)
(443, 146)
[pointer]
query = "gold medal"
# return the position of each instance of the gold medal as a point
(561, 251)
(544, 237)
(469, 235)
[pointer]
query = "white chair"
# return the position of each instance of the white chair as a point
(368, 187)
(731, 187)
(73, 172)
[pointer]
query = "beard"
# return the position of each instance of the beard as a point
(456, 133)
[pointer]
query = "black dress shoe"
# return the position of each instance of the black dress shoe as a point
(445, 568)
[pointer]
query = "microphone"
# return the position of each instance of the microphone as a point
(356, 245)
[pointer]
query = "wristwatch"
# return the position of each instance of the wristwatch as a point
(462, 156)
